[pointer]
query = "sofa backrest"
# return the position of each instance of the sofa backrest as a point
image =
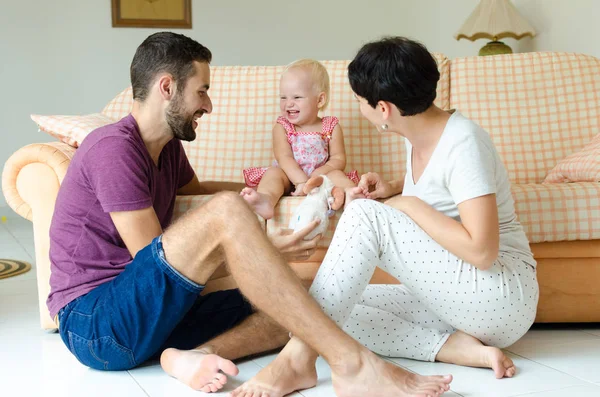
(537, 107)
(246, 104)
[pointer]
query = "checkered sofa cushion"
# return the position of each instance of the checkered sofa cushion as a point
(558, 211)
(538, 107)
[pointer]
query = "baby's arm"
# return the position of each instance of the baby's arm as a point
(285, 156)
(337, 154)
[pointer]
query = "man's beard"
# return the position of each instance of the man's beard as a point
(181, 125)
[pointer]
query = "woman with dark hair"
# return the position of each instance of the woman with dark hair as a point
(447, 231)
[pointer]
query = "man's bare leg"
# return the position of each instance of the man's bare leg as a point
(226, 226)
(272, 186)
(257, 334)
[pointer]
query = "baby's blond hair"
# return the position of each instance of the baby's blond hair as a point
(318, 74)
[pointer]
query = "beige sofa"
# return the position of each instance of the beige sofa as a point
(538, 108)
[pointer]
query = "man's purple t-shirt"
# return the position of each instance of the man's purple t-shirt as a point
(111, 171)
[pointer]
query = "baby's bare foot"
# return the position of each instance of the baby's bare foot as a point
(260, 203)
(198, 369)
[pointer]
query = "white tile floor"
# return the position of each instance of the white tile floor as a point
(552, 362)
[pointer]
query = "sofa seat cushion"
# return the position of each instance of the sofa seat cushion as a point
(559, 212)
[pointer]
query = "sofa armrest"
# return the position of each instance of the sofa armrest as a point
(16, 176)
(30, 182)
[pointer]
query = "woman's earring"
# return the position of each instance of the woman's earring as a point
(384, 127)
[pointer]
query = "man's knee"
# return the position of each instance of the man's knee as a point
(231, 208)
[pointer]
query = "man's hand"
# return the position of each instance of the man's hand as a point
(292, 245)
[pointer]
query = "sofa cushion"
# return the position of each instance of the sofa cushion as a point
(558, 212)
(583, 166)
(538, 107)
(71, 129)
(237, 134)
(120, 106)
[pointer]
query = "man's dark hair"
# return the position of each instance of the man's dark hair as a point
(165, 52)
(396, 70)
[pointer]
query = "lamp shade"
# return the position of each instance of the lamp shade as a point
(495, 20)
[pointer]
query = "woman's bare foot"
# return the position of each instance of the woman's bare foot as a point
(260, 203)
(291, 370)
(199, 369)
(375, 377)
(464, 349)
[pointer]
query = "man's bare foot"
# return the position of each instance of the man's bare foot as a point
(375, 377)
(292, 370)
(260, 203)
(199, 369)
(464, 349)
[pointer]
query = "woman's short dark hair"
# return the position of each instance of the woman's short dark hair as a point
(165, 52)
(396, 70)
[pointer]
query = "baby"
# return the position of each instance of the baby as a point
(305, 145)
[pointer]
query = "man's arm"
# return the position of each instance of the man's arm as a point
(195, 187)
(137, 228)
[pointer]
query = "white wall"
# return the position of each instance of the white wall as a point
(63, 57)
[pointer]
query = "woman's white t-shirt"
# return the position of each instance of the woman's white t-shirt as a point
(465, 165)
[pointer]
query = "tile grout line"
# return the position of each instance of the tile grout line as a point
(137, 383)
(545, 391)
(589, 333)
(597, 339)
(26, 250)
(555, 369)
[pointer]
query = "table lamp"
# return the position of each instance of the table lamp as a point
(495, 20)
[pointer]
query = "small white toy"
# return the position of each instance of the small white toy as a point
(321, 202)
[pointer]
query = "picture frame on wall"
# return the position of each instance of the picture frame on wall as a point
(152, 13)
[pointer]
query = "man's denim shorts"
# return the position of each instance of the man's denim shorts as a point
(146, 309)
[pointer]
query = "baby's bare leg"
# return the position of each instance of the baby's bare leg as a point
(340, 179)
(272, 186)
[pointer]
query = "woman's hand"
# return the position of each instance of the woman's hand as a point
(373, 187)
(292, 245)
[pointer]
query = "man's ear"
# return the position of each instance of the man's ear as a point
(338, 198)
(166, 86)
